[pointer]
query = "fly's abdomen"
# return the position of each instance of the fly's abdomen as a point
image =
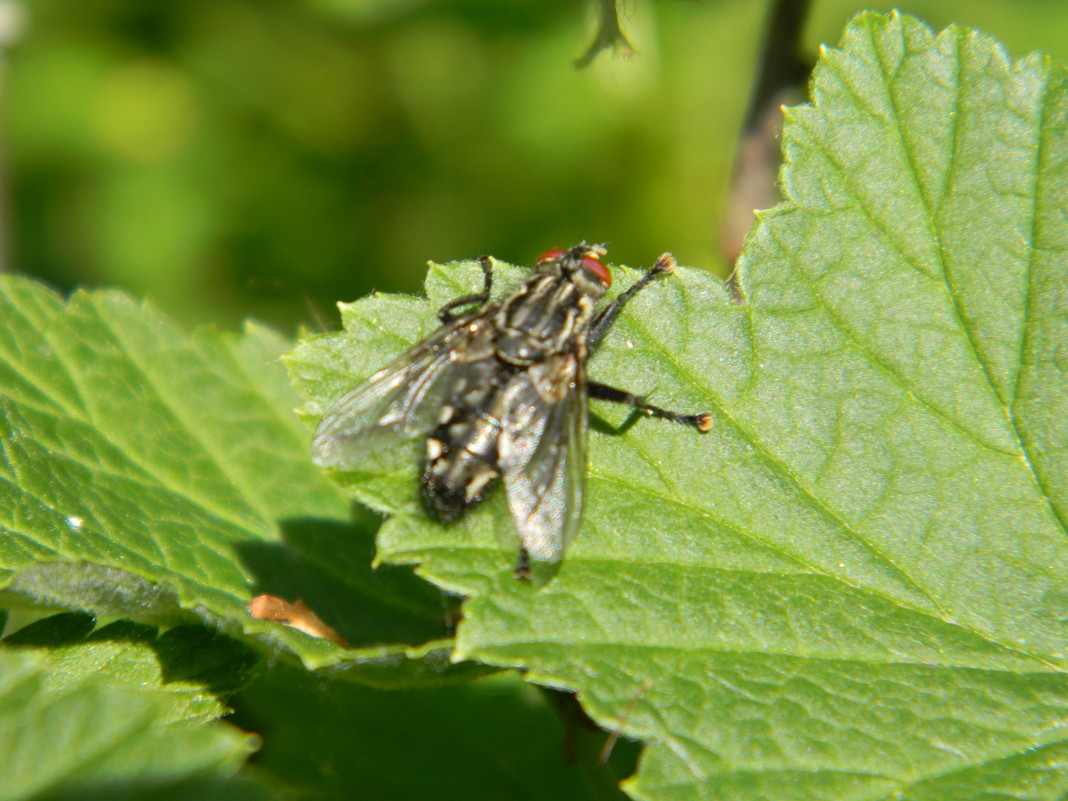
(461, 461)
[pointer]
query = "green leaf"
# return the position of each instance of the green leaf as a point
(192, 665)
(854, 586)
(497, 738)
(159, 477)
(101, 714)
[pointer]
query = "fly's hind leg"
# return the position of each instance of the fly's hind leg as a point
(446, 314)
(701, 421)
(603, 321)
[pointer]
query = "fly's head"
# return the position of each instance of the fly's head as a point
(583, 265)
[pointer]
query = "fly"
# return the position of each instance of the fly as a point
(499, 393)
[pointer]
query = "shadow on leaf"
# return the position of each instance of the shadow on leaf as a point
(237, 788)
(326, 564)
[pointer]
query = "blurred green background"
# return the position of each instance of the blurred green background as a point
(229, 158)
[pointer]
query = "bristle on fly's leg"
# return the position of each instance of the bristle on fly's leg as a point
(666, 264)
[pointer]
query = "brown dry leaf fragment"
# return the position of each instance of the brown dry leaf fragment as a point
(297, 615)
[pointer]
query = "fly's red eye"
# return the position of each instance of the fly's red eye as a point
(552, 255)
(596, 267)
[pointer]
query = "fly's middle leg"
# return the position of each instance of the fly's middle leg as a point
(701, 421)
(446, 314)
(603, 321)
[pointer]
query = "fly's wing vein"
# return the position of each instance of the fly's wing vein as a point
(542, 454)
(398, 403)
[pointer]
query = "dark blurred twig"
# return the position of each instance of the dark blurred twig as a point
(783, 70)
(783, 64)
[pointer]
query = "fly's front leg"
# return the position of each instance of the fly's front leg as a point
(445, 313)
(603, 321)
(701, 421)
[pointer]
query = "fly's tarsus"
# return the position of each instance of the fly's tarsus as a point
(665, 265)
(702, 421)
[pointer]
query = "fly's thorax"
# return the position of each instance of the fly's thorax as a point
(583, 280)
(548, 314)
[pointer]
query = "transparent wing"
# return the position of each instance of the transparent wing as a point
(542, 450)
(398, 403)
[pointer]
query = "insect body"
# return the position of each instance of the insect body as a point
(500, 392)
